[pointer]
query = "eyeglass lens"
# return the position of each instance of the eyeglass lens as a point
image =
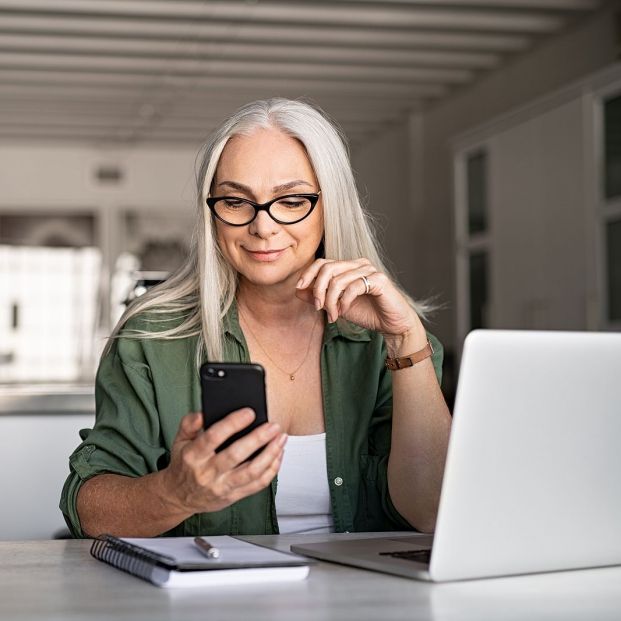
(239, 211)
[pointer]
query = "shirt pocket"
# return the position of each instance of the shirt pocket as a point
(370, 510)
(377, 511)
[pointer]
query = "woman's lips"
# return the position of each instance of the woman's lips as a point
(265, 255)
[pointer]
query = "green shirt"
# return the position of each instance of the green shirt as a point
(145, 386)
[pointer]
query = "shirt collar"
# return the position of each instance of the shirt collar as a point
(347, 330)
(231, 323)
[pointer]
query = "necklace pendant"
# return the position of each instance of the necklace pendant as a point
(292, 377)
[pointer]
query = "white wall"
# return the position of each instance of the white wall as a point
(35, 453)
(381, 170)
(64, 176)
(588, 46)
(538, 214)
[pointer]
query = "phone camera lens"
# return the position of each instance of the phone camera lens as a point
(211, 372)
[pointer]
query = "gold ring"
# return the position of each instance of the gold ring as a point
(367, 285)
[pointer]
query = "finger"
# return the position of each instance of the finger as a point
(327, 272)
(221, 431)
(190, 427)
(349, 280)
(355, 289)
(310, 273)
(248, 478)
(262, 481)
(306, 295)
(258, 473)
(258, 484)
(241, 449)
(253, 469)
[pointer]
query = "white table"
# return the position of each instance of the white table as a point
(59, 580)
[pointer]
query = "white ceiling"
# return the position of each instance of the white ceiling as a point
(144, 71)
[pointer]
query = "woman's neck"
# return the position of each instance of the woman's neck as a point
(276, 305)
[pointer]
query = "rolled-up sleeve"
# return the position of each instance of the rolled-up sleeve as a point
(126, 437)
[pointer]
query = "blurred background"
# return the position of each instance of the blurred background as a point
(485, 136)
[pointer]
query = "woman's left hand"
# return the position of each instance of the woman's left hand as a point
(339, 288)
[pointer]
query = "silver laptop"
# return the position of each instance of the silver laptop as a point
(533, 474)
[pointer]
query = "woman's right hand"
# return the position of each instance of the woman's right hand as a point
(200, 480)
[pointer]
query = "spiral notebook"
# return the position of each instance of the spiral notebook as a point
(177, 562)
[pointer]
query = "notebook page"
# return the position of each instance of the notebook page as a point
(232, 552)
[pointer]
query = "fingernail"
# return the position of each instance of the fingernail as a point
(300, 283)
(283, 439)
(317, 303)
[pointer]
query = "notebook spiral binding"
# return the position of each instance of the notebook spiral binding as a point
(129, 558)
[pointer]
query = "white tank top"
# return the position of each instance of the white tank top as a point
(303, 495)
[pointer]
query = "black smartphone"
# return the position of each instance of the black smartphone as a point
(229, 386)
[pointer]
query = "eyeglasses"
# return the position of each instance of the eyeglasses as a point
(288, 209)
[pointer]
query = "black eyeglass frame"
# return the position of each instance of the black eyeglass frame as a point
(313, 198)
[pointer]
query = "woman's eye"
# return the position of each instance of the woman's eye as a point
(292, 204)
(234, 202)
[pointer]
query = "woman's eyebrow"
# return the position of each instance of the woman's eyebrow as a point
(278, 188)
(236, 186)
(291, 184)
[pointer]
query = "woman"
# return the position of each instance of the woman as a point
(284, 271)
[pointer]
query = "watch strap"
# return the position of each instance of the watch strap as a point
(394, 364)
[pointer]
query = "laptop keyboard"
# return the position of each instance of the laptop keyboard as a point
(420, 556)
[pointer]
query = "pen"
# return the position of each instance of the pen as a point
(206, 548)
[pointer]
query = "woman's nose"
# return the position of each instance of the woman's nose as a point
(263, 225)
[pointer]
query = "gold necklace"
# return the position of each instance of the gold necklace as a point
(256, 340)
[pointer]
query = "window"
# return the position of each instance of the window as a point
(610, 212)
(613, 268)
(476, 175)
(473, 234)
(478, 290)
(49, 283)
(612, 147)
(478, 238)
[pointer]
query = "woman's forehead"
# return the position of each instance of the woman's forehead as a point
(265, 153)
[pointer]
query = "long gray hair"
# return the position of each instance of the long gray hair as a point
(203, 289)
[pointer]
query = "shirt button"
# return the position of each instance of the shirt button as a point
(338, 481)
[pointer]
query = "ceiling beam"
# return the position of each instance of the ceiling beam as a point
(111, 134)
(190, 32)
(61, 44)
(176, 82)
(13, 111)
(555, 5)
(276, 13)
(56, 133)
(207, 67)
(223, 101)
